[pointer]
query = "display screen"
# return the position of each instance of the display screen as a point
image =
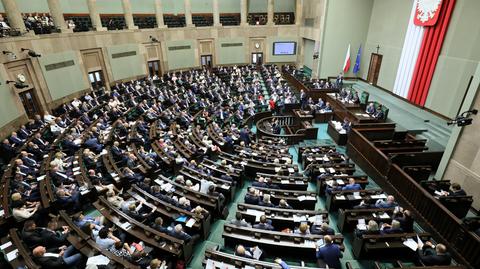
(284, 48)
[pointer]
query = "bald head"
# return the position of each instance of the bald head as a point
(39, 251)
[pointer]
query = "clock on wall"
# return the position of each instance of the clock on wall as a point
(21, 78)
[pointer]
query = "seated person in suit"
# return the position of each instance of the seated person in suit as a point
(346, 125)
(328, 107)
(393, 228)
(352, 186)
(323, 229)
(252, 197)
(303, 229)
(67, 258)
(432, 257)
(158, 225)
(266, 201)
(22, 210)
(178, 232)
(456, 190)
(379, 112)
(238, 221)
(405, 218)
(264, 224)
(329, 254)
(31, 234)
(386, 204)
(329, 189)
(283, 204)
(372, 228)
(52, 237)
(260, 183)
(69, 199)
(241, 251)
(370, 109)
(365, 203)
(138, 212)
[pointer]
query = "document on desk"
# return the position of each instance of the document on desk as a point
(126, 226)
(316, 220)
(305, 198)
(419, 242)
(326, 159)
(255, 213)
(76, 169)
(166, 187)
(291, 170)
(12, 255)
(379, 196)
(411, 244)
(329, 182)
(361, 224)
(6, 245)
(384, 216)
(98, 260)
(257, 252)
(322, 170)
(340, 197)
(40, 178)
(297, 218)
(356, 196)
(190, 223)
(284, 181)
(159, 182)
(77, 173)
(340, 182)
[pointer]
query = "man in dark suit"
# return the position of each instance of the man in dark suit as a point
(69, 146)
(431, 257)
(7, 150)
(456, 190)
(16, 140)
(178, 232)
(323, 229)
(158, 225)
(38, 140)
(251, 197)
(51, 237)
(67, 258)
(329, 254)
(393, 228)
(264, 224)
(31, 235)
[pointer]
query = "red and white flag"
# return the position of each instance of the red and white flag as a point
(346, 64)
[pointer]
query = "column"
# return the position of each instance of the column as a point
(216, 14)
(188, 13)
(94, 16)
(298, 12)
(127, 12)
(14, 16)
(243, 12)
(57, 15)
(159, 14)
(270, 12)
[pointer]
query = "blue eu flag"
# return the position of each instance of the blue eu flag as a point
(356, 68)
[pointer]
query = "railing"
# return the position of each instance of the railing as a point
(283, 121)
(461, 241)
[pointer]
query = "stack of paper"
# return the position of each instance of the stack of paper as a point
(98, 260)
(322, 170)
(331, 170)
(12, 255)
(299, 218)
(6, 245)
(291, 170)
(361, 224)
(384, 216)
(190, 223)
(340, 197)
(411, 244)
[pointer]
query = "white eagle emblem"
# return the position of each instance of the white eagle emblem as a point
(427, 9)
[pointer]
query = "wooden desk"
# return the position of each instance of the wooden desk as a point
(339, 138)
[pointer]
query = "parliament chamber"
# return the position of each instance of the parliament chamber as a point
(251, 134)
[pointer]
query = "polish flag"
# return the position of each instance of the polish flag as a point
(346, 65)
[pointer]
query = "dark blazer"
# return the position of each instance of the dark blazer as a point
(331, 255)
(264, 226)
(51, 262)
(251, 199)
(429, 257)
(53, 239)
